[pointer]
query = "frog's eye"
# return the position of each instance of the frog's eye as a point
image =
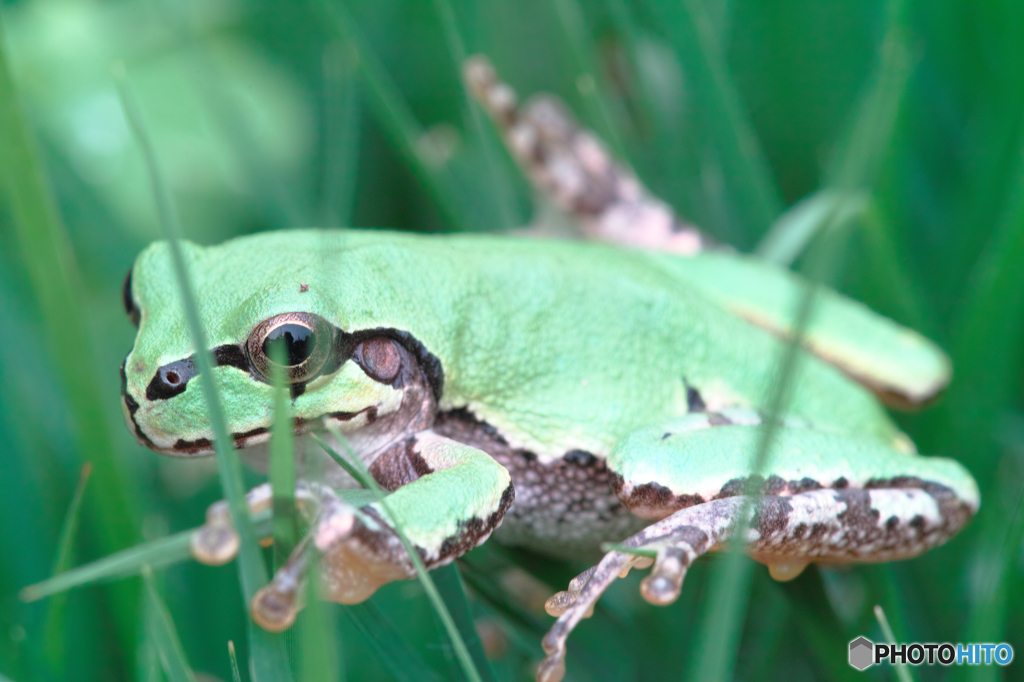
(303, 340)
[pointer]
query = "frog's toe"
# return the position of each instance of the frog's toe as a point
(552, 668)
(558, 603)
(574, 605)
(274, 609)
(663, 585)
(276, 605)
(217, 541)
(214, 544)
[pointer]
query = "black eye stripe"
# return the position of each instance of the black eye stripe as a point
(231, 356)
(171, 379)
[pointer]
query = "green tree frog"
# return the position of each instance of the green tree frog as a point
(558, 394)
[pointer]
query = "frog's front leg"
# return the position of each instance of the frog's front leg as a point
(830, 497)
(448, 497)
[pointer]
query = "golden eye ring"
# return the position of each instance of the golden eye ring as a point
(303, 340)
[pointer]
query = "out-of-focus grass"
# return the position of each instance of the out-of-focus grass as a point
(263, 114)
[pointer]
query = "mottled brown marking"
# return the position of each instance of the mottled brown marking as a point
(394, 468)
(858, 515)
(771, 516)
(803, 485)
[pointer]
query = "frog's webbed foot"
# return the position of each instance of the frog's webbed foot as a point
(678, 541)
(570, 166)
(357, 553)
(447, 496)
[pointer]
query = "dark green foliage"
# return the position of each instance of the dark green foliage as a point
(903, 120)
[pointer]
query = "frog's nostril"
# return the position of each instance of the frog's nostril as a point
(170, 380)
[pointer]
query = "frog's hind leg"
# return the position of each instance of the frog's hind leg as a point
(570, 167)
(692, 476)
(829, 525)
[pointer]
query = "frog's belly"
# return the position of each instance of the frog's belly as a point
(565, 508)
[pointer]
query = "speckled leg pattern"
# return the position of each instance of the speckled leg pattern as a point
(572, 168)
(819, 525)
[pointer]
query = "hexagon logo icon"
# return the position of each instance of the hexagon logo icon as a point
(862, 653)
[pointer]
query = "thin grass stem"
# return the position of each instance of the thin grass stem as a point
(268, 654)
(902, 671)
(458, 643)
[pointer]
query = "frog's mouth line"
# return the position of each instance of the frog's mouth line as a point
(204, 446)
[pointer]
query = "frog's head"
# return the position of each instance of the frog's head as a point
(257, 306)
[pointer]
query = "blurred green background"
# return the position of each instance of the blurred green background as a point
(269, 115)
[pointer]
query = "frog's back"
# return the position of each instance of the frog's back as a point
(560, 345)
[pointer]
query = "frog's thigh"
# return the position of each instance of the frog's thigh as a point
(449, 498)
(915, 502)
(572, 168)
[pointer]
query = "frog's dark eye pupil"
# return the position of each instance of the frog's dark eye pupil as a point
(294, 342)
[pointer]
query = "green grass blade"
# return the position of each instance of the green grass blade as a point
(991, 321)
(236, 675)
(267, 651)
(859, 158)
(398, 122)
(743, 162)
(730, 586)
(282, 464)
(57, 288)
(854, 168)
(902, 671)
(389, 644)
(147, 665)
(794, 229)
(342, 115)
(453, 594)
(161, 631)
(499, 189)
(588, 75)
(998, 545)
(65, 556)
(458, 643)
(818, 624)
(320, 653)
(155, 554)
(65, 551)
(666, 137)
